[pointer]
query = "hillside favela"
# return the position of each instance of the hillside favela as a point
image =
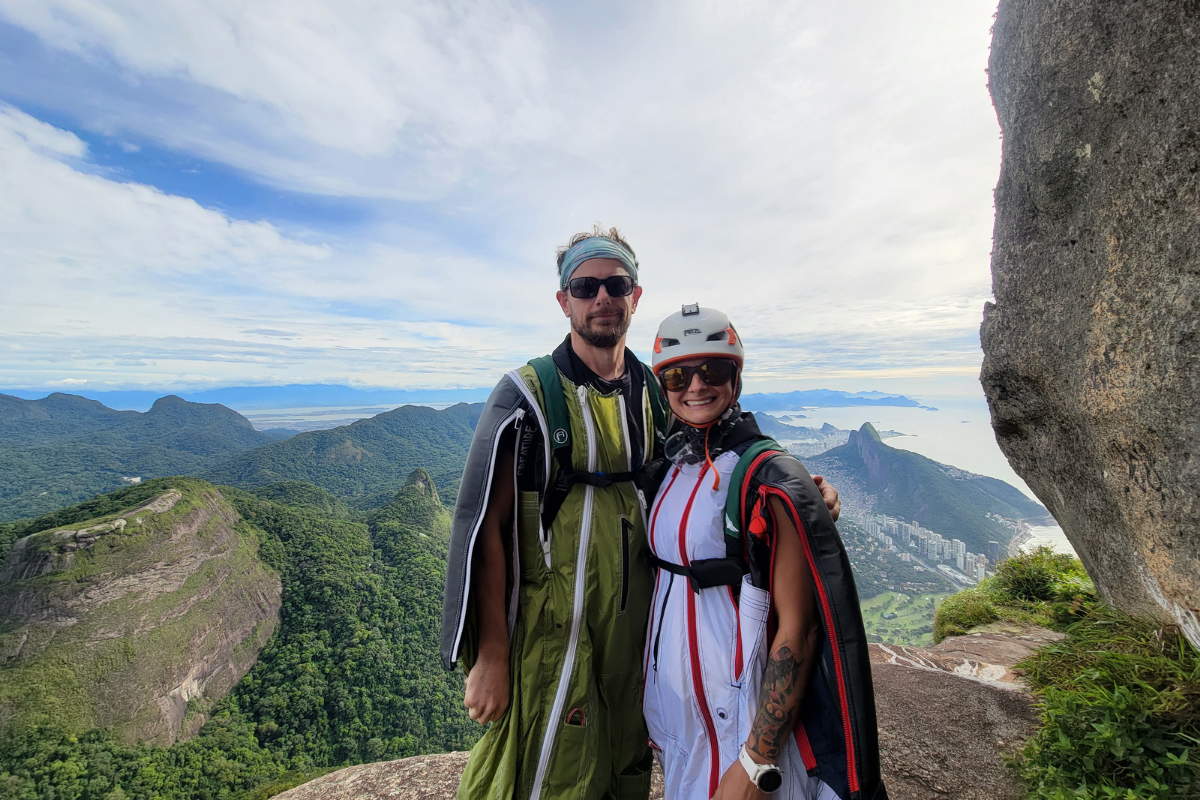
(586, 401)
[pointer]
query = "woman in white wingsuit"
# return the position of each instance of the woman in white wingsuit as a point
(757, 679)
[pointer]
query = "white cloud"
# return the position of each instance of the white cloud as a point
(821, 171)
(353, 75)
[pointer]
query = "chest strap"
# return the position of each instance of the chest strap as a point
(707, 572)
(568, 477)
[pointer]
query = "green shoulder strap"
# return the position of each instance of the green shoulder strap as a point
(557, 420)
(658, 403)
(733, 501)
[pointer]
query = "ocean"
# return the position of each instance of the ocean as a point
(958, 433)
(1050, 536)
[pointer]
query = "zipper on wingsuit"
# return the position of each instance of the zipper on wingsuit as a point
(714, 759)
(585, 531)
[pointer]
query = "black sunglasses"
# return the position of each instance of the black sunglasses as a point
(714, 372)
(587, 288)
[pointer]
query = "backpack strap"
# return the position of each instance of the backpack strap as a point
(559, 422)
(728, 571)
(739, 490)
(557, 418)
(658, 405)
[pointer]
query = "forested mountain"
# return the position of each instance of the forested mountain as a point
(351, 674)
(115, 615)
(367, 461)
(945, 499)
(62, 448)
(805, 441)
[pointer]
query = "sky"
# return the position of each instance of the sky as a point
(207, 193)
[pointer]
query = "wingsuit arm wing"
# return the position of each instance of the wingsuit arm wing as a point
(845, 652)
(504, 408)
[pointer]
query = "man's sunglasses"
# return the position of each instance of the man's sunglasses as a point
(714, 372)
(587, 288)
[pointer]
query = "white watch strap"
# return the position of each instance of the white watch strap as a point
(753, 769)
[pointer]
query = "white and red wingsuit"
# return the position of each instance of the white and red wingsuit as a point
(708, 637)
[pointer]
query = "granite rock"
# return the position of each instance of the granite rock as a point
(1092, 347)
(947, 717)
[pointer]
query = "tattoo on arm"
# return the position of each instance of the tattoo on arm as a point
(778, 701)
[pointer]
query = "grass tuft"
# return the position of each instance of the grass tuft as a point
(963, 611)
(1120, 713)
(1040, 588)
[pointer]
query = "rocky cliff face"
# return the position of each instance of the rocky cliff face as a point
(123, 620)
(1092, 349)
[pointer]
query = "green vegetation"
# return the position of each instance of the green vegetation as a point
(897, 618)
(351, 674)
(223, 760)
(1039, 588)
(367, 460)
(304, 495)
(128, 639)
(947, 500)
(1120, 712)
(64, 448)
(1119, 697)
(99, 506)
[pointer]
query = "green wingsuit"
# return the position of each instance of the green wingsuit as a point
(579, 595)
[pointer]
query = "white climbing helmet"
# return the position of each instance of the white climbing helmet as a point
(692, 332)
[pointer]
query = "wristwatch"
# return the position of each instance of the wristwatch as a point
(767, 777)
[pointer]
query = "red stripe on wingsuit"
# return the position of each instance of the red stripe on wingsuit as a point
(714, 759)
(683, 521)
(658, 507)
(805, 747)
(698, 686)
(851, 772)
(657, 576)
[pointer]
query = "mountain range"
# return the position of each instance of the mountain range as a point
(876, 478)
(64, 448)
(806, 442)
(824, 398)
(367, 461)
(317, 395)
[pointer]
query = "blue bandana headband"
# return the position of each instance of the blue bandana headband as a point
(595, 247)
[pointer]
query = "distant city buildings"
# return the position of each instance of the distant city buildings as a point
(950, 556)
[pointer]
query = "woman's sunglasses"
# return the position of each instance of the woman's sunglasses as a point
(714, 372)
(587, 288)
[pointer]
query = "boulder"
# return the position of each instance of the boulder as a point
(1092, 347)
(431, 777)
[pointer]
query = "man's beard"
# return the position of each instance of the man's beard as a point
(603, 338)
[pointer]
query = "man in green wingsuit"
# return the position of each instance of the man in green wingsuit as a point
(548, 582)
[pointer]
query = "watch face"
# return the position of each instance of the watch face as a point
(770, 780)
